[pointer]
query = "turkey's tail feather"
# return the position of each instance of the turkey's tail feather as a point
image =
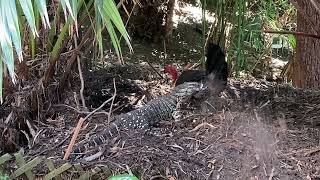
(215, 63)
(216, 69)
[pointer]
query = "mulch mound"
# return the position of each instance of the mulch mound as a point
(255, 130)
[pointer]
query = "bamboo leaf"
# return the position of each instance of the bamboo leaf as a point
(42, 8)
(1, 96)
(74, 9)
(5, 42)
(98, 29)
(67, 6)
(114, 38)
(114, 15)
(53, 30)
(57, 171)
(109, 13)
(26, 167)
(6, 157)
(55, 51)
(292, 41)
(13, 25)
(27, 9)
(63, 4)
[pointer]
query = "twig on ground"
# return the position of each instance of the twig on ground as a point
(195, 65)
(305, 151)
(54, 147)
(27, 137)
(101, 106)
(76, 100)
(271, 174)
(210, 105)
(312, 151)
(94, 156)
(114, 95)
(115, 109)
(78, 111)
(73, 139)
(154, 69)
(257, 116)
(203, 125)
(80, 74)
(80, 122)
(129, 170)
(263, 105)
(176, 146)
(36, 136)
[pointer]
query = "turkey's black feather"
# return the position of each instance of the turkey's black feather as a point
(215, 64)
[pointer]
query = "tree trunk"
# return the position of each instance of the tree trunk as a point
(169, 20)
(307, 62)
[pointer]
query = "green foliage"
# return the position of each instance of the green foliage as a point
(292, 40)
(31, 11)
(26, 168)
(123, 177)
(10, 30)
(247, 20)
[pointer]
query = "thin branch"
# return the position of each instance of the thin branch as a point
(294, 33)
(102, 105)
(57, 145)
(154, 69)
(73, 139)
(75, 96)
(72, 60)
(81, 121)
(78, 111)
(80, 75)
(114, 95)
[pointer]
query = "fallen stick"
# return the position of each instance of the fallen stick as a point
(80, 122)
(73, 139)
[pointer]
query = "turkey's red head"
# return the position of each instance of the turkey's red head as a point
(172, 71)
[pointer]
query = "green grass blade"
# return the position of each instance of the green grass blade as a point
(114, 38)
(55, 51)
(108, 10)
(42, 8)
(13, 25)
(6, 44)
(53, 30)
(98, 30)
(66, 6)
(27, 9)
(116, 19)
(292, 41)
(63, 4)
(1, 79)
(74, 8)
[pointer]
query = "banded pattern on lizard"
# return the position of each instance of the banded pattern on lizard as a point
(146, 116)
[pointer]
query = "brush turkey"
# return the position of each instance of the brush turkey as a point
(216, 69)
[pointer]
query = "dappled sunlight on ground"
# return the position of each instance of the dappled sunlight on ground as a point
(190, 14)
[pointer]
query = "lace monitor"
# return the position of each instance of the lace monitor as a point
(154, 111)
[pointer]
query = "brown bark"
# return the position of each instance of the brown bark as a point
(169, 20)
(307, 65)
(293, 33)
